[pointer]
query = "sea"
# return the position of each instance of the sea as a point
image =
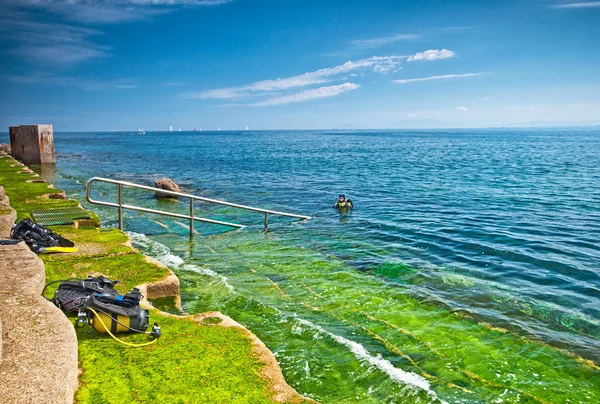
(467, 272)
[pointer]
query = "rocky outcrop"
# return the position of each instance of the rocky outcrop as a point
(166, 184)
(5, 148)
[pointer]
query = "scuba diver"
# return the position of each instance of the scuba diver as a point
(343, 205)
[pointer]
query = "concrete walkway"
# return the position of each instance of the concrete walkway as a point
(38, 359)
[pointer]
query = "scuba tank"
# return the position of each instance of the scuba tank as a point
(98, 303)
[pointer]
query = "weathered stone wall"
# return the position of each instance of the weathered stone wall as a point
(32, 144)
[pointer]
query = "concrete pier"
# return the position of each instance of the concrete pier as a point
(32, 144)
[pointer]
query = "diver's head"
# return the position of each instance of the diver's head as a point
(342, 198)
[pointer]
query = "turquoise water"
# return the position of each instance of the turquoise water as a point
(470, 259)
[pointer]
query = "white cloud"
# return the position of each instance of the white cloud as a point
(584, 4)
(432, 54)
(445, 76)
(34, 33)
(378, 64)
(463, 109)
(373, 43)
(307, 95)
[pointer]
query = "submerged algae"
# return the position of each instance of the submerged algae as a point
(311, 310)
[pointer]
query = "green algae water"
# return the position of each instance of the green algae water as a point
(468, 271)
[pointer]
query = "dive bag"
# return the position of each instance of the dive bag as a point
(112, 311)
(38, 237)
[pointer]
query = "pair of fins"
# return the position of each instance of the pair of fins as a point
(43, 250)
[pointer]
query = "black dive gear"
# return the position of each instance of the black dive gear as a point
(38, 237)
(119, 312)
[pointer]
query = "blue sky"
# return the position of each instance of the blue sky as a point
(126, 64)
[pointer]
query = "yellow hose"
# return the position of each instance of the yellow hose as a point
(117, 339)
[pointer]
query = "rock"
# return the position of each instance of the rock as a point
(5, 148)
(60, 195)
(169, 185)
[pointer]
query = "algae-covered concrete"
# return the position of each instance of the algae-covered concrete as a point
(190, 363)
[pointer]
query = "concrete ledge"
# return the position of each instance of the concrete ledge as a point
(39, 345)
(168, 286)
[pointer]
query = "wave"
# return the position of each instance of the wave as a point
(361, 353)
(163, 254)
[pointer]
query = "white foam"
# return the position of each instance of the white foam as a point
(162, 254)
(172, 260)
(398, 375)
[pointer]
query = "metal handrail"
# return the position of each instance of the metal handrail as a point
(190, 217)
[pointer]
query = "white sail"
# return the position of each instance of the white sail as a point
(170, 129)
(246, 127)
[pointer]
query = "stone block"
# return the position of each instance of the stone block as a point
(32, 144)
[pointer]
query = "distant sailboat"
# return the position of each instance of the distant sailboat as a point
(170, 129)
(194, 129)
(157, 129)
(246, 127)
(219, 128)
(179, 129)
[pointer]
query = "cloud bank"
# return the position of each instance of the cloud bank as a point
(374, 64)
(51, 30)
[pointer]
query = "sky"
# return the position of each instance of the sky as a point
(93, 65)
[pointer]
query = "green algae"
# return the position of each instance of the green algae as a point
(190, 363)
(27, 196)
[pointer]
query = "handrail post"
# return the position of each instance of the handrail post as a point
(266, 221)
(120, 199)
(191, 218)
